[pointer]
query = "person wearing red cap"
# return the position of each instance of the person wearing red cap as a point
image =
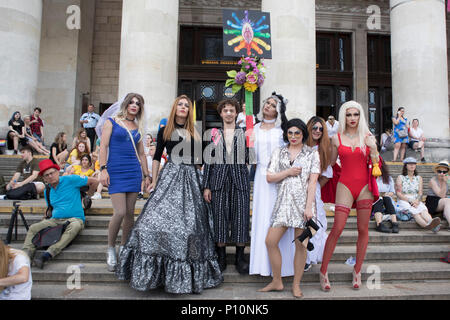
(64, 193)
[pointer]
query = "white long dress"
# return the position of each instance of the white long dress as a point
(264, 197)
(320, 238)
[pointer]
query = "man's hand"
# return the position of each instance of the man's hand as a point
(207, 195)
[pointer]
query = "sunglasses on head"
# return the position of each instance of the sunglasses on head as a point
(315, 128)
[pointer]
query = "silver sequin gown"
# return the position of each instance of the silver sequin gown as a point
(290, 205)
(171, 244)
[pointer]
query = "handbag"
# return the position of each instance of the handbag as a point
(49, 236)
(403, 132)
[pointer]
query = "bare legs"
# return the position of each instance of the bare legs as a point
(123, 205)
(273, 238)
(402, 147)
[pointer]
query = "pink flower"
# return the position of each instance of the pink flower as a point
(252, 78)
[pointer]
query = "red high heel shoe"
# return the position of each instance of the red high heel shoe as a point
(356, 280)
(324, 282)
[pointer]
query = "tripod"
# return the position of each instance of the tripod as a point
(13, 222)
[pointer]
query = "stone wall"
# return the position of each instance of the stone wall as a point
(106, 52)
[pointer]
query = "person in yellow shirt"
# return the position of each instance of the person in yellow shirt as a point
(84, 169)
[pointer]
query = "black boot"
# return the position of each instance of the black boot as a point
(42, 259)
(395, 227)
(240, 261)
(222, 257)
(383, 228)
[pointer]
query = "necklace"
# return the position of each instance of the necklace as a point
(131, 120)
(351, 136)
(269, 121)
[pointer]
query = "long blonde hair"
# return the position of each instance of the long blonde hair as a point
(188, 125)
(6, 255)
(122, 114)
(363, 128)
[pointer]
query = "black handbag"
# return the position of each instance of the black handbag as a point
(49, 236)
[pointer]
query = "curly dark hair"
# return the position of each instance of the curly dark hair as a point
(232, 102)
(298, 123)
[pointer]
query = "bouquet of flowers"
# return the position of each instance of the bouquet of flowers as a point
(251, 76)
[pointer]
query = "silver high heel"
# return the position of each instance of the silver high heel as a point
(111, 259)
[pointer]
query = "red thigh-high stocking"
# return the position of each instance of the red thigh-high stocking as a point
(340, 219)
(363, 210)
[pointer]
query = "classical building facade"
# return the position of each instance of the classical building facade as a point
(63, 54)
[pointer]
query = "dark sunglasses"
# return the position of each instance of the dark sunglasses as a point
(315, 128)
(296, 133)
(352, 114)
(442, 171)
(137, 103)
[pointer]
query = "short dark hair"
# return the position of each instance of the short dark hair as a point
(91, 104)
(39, 109)
(298, 123)
(232, 102)
(27, 148)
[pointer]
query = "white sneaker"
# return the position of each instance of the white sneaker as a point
(2, 197)
(96, 196)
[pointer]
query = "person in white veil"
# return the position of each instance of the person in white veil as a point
(268, 136)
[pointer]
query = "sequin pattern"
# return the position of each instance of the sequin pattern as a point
(171, 243)
(290, 205)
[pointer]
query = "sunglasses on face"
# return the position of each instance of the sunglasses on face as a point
(295, 133)
(136, 103)
(442, 171)
(352, 115)
(315, 128)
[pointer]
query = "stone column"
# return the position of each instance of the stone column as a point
(149, 55)
(419, 69)
(292, 70)
(20, 35)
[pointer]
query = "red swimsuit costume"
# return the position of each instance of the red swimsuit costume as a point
(355, 177)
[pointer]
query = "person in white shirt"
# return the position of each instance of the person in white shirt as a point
(15, 274)
(417, 140)
(387, 140)
(332, 126)
(241, 118)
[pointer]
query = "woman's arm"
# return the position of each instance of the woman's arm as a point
(102, 157)
(20, 277)
(334, 149)
(311, 194)
(440, 192)
(280, 176)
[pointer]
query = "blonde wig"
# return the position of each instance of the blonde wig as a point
(363, 128)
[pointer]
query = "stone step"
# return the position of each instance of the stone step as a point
(90, 235)
(57, 271)
(102, 221)
(81, 253)
(401, 290)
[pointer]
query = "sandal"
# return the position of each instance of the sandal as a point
(324, 282)
(356, 283)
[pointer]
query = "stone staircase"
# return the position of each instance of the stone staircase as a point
(408, 265)
(405, 265)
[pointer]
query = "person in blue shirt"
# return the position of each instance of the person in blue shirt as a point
(89, 121)
(66, 202)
